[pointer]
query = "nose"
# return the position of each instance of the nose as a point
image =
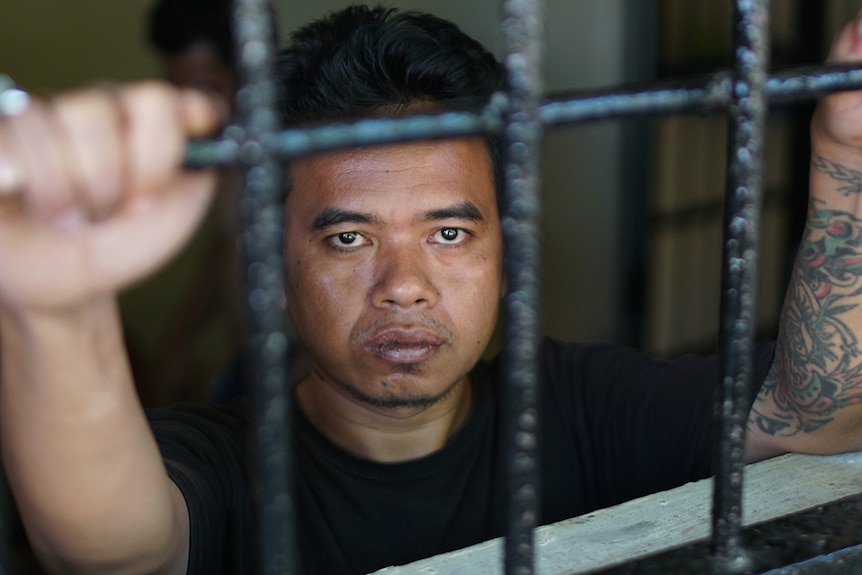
(404, 278)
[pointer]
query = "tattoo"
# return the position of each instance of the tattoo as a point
(818, 357)
(852, 179)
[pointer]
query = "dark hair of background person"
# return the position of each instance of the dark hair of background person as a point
(174, 25)
(362, 62)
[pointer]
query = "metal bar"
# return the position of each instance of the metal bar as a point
(522, 33)
(739, 275)
(708, 93)
(702, 94)
(262, 216)
(841, 562)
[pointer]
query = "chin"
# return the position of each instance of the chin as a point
(395, 399)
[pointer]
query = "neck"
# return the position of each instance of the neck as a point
(383, 434)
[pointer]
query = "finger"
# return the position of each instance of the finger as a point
(159, 120)
(847, 45)
(41, 156)
(153, 140)
(92, 123)
(11, 175)
(142, 237)
(201, 113)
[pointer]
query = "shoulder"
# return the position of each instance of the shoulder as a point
(606, 368)
(205, 453)
(232, 417)
(201, 438)
(593, 363)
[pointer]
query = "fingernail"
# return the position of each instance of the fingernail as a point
(10, 177)
(201, 105)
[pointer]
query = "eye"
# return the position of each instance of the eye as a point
(451, 236)
(345, 240)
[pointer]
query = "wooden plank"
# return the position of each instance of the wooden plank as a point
(774, 488)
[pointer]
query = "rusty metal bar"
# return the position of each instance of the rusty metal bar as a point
(739, 275)
(709, 93)
(262, 217)
(522, 33)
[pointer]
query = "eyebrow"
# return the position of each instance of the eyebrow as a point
(334, 216)
(461, 211)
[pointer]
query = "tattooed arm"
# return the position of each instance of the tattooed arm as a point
(811, 400)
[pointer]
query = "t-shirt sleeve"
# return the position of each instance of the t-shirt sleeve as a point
(643, 424)
(204, 452)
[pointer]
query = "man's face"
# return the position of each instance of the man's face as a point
(394, 267)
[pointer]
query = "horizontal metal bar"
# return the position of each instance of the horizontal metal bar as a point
(701, 94)
(303, 141)
(840, 562)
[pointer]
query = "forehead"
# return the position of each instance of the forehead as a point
(418, 172)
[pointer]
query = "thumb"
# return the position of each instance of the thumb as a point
(847, 45)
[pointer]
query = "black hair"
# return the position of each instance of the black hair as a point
(175, 25)
(360, 61)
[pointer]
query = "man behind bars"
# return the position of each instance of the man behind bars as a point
(394, 265)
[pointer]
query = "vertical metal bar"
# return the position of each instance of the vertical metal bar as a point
(523, 36)
(266, 352)
(739, 277)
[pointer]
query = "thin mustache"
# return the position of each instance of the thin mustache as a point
(395, 319)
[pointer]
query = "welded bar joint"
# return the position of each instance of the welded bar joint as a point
(266, 351)
(739, 274)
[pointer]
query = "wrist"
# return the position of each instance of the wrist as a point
(78, 347)
(835, 172)
(36, 322)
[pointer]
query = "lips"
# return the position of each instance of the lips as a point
(403, 346)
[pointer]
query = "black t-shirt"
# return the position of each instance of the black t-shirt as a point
(615, 425)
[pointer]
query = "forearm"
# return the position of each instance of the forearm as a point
(83, 466)
(811, 400)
